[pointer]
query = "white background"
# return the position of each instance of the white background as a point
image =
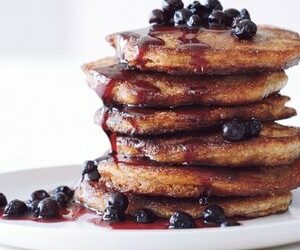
(46, 109)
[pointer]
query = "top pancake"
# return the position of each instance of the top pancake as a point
(115, 84)
(205, 51)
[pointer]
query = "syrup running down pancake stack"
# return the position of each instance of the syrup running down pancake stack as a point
(191, 115)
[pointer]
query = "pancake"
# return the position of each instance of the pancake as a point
(115, 84)
(144, 177)
(149, 121)
(276, 145)
(94, 195)
(206, 51)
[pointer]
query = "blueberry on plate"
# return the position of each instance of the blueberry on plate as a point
(39, 195)
(144, 216)
(181, 220)
(234, 130)
(15, 208)
(113, 214)
(182, 16)
(213, 5)
(47, 209)
(213, 214)
(253, 128)
(90, 169)
(245, 29)
(118, 200)
(194, 21)
(66, 190)
(170, 6)
(3, 200)
(244, 13)
(61, 198)
(32, 205)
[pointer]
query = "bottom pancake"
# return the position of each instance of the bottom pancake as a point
(95, 195)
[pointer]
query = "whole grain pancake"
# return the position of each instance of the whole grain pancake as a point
(206, 51)
(95, 195)
(149, 178)
(116, 84)
(276, 145)
(149, 121)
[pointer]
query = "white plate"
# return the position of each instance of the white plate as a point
(264, 232)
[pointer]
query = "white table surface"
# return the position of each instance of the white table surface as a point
(46, 115)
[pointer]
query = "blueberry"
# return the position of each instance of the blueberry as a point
(170, 6)
(181, 220)
(144, 216)
(213, 5)
(234, 131)
(194, 21)
(213, 215)
(32, 205)
(230, 223)
(113, 214)
(245, 29)
(3, 200)
(61, 198)
(66, 190)
(244, 13)
(198, 9)
(182, 16)
(39, 195)
(15, 208)
(230, 15)
(47, 208)
(217, 17)
(118, 200)
(157, 16)
(90, 169)
(253, 128)
(235, 22)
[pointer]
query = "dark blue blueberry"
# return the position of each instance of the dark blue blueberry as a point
(213, 5)
(182, 16)
(15, 208)
(253, 128)
(39, 195)
(170, 6)
(231, 14)
(118, 200)
(66, 190)
(213, 214)
(3, 200)
(235, 22)
(245, 29)
(181, 220)
(144, 216)
(234, 131)
(90, 169)
(217, 18)
(230, 223)
(198, 9)
(113, 214)
(47, 208)
(194, 21)
(32, 205)
(61, 198)
(244, 13)
(157, 16)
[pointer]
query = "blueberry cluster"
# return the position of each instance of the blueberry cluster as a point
(41, 204)
(208, 15)
(237, 130)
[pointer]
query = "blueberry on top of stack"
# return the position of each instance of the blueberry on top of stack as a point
(190, 105)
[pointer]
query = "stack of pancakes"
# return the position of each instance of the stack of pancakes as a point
(166, 97)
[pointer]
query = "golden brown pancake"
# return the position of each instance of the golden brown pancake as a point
(148, 121)
(276, 145)
(95, 195)
(205, 51)
(115, 84)
(144, 177)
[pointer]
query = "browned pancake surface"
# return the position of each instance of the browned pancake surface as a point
(95, 196)
(116, 84)
(144, 177)
(276, 145)
(149, 121)
(177, 50)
